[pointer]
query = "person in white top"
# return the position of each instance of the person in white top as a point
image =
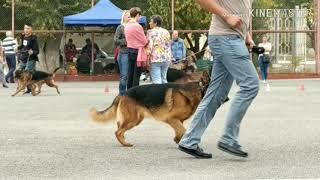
(264, 59)
(9, 46)
(2, 78)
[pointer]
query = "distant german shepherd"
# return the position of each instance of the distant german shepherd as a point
(33, 80)
(169, 103)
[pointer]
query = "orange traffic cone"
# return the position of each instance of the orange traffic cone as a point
(106, 89)
(301, 87)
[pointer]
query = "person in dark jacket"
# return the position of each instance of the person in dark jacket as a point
(29, 49)
(121, 43)
(87, 49)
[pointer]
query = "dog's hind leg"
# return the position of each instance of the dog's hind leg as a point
(178, 128)
(39, 84)
(33, 89)
(126, 124)
(51, 84)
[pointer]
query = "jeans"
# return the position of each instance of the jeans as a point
(123, 67)
(158, 72)
(2, 79)
(134, 72)
(28, 66)
(231, 62)
(11, 61)
(263, 68)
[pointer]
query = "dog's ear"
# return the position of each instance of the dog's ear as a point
(205, 74)
(205, 78)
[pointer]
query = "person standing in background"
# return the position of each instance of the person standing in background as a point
(265, 59)
(2, 78)
(178, 48)
(121, 43)
(10, 45)
(70, 51)
(136, 43)
(160, 50)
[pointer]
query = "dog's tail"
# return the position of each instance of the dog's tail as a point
(54, 72)
(107, 115)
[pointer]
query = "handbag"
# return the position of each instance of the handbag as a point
(266, 58)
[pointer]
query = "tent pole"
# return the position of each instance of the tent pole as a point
(13, 17)
(172, 15)
(92, 54)
(92, 47)
(65, 42)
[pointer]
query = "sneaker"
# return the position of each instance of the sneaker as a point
(198, 153)
(234, 150)
(5, 86)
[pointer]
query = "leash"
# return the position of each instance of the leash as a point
(186, 58)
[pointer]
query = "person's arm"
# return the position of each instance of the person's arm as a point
(142, 35)
(1, 50)
(213, 7)
(97, 47)
(20, 43)
(117, 40)
(15, 45)
(1, 55)
(249, 40)
(65, 50)
(150, 44)
(34, 47)
(184, 52)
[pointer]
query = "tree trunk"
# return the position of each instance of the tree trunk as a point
(49, 53)
(196, 46)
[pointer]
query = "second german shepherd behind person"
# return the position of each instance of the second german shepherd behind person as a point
(169, 103)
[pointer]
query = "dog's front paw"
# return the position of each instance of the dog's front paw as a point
(177, 139)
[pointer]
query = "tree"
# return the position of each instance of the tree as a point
(47, 15)
(5, 15)
(127, 4)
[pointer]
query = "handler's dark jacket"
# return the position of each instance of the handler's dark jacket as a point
(26, 44)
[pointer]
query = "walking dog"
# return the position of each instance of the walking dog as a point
(169, 103)
(34, 80)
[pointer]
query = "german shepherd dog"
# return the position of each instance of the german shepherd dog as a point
(34, 80)
(169, 103)
(178, 76)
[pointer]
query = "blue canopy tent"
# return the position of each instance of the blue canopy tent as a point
(103, 14)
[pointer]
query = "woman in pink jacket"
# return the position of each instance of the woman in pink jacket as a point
(136, 43)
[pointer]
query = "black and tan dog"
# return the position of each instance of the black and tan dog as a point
(34, 80)
(179, 76)
(169, 103)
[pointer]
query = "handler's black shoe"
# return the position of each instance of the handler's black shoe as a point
(198, 153)
(5, 86)
(234, 150)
